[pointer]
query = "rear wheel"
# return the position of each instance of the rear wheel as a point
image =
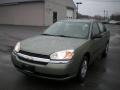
(83, 69)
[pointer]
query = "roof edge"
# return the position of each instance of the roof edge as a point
(19, 2)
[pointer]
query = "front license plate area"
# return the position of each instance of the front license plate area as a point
(29, 68)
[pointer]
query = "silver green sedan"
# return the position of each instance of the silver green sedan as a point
(63, 51)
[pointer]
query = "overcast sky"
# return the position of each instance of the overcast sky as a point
(97, 7)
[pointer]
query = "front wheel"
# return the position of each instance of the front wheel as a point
(83, 69)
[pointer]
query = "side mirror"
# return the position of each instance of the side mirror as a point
(105, 29)
(96, 36)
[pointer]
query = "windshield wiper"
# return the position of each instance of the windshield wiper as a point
(48, 34)
(54, 35)
(60, 36)
(66, 36)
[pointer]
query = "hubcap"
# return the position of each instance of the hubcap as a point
(84, 69)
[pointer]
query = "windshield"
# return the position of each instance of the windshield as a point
(69, 29)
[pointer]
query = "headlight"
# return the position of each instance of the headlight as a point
(65, 55)
(17, 47)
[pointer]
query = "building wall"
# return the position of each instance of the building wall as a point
(35, 13)
(51, 7)
(23, 14)
(59, 6)
(68, 3)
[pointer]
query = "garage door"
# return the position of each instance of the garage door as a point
(70, 14)
(23, 14)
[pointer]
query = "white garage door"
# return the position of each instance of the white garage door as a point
(70, 14)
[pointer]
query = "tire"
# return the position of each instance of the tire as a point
(105, 53)
(83, 69)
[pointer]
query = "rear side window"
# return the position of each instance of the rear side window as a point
(101, 27)
(95, 29)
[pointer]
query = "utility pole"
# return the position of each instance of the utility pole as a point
(107, 16)
(104, 14)
(78, 3)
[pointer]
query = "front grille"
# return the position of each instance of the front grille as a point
(31, 61)
(34, 55)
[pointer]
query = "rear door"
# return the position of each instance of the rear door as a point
(104, 34)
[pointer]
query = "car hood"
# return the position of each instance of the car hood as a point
(50, 44)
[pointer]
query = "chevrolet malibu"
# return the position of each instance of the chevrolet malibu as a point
(63, 51)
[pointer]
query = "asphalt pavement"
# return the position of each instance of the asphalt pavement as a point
(103, 75)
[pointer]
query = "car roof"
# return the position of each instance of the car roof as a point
(80, 20)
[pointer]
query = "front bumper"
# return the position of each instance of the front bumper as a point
(51, 70)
